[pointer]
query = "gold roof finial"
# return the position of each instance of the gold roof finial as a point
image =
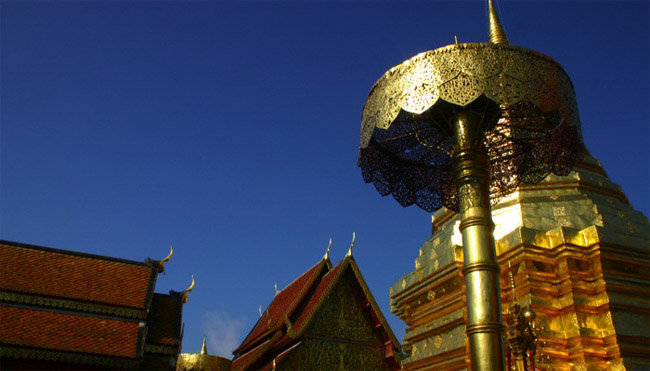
(260, 309)
(188, 290)
(204, 347)
(497, 34)
(327, 253)
(161, 264)
(351, 245)
(275, 286)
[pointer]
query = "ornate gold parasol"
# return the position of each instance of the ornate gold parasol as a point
(459, 125)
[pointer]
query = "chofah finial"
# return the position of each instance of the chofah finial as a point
(351, 245)
(327, 253)
(187, 290)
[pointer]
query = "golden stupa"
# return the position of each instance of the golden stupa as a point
(573, 255)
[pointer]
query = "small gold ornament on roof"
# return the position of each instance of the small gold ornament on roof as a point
(351, 244)
(161, 264)
(187, 291)
(327, 253)
(204, 347)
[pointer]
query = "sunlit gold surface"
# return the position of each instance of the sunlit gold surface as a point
(460, 74)
(187, 291)
(581, 259)
(497, 34)
(202, 362)
(471, 176)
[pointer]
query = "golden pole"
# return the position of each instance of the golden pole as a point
(472, 177)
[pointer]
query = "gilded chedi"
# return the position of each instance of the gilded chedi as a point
(580, 259)
(202, 361)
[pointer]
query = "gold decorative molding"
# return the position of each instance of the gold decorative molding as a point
(74, 305)
(460, 74)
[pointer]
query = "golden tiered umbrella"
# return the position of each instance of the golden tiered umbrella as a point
(463, 124)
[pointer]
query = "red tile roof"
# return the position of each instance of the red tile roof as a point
(68, 275)
(68, 332)
(283, 304)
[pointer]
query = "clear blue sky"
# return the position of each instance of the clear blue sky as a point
(231, 130)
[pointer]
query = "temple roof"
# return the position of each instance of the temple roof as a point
(69, 332)
(66, 306)
(283, 304)
(75, 276)
(282, 325)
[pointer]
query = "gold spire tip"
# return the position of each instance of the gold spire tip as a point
(351, 244)
(204, 347)
(327, 253)
(497, 34)
(187, 290)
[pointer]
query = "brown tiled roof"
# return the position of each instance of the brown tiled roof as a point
(164, 320)
(69, 275)
(68, 332)
(283, 304)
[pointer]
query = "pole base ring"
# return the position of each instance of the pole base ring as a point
(481, 266)
(482, 328)
(476, 220)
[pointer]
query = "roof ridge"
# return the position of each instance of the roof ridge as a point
(337, 271)
(274, 324)
(373, 304)
(73, 253)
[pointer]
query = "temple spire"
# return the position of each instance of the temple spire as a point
(354, 235)
(497, 34)
(204, 347)
(327, 253)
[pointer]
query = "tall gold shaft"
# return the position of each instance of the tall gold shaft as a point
(471, 174)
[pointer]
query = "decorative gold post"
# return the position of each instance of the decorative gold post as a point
(448, 126)
(472, 179)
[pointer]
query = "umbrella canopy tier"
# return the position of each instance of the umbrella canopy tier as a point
(530, 121)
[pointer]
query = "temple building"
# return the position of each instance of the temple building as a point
(325, 319)
(579, 254)
(66, 310)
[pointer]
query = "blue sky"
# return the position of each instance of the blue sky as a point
(231, 130)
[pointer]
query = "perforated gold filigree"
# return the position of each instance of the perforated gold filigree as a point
(460, 73)
(531, 123)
